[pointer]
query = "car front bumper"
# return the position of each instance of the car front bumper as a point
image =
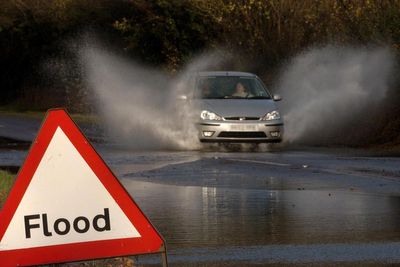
(241, 131)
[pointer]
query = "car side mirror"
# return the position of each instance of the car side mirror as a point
(182, 97)
(277, 98)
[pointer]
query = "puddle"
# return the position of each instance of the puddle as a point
(193, 216)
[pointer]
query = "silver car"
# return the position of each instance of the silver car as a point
(236, 107)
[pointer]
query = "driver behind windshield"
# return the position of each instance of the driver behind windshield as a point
(241, 91)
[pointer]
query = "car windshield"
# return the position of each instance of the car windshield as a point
(230, 87)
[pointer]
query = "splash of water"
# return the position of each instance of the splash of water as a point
(140, 106)
(326, 88)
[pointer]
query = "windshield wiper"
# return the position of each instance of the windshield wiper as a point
(259, 97)
(233, 97)
(213, 97)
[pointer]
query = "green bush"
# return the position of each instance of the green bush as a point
(167, 33)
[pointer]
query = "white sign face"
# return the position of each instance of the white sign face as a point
(65, 203)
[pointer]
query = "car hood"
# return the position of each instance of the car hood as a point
(238, 107)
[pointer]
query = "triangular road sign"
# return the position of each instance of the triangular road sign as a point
(67, 205)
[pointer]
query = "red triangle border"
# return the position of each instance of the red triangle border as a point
(149, 242)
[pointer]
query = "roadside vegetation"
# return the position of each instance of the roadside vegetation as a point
(6, 182)
(34, 36)
(38, 67)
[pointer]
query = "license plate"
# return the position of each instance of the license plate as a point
(244, 128)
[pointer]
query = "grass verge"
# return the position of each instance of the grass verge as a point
(6, 181)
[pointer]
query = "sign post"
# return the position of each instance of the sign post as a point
(67, 205)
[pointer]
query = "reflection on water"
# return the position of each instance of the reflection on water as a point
(209, 216)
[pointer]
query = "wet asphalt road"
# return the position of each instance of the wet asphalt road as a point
(286, 206)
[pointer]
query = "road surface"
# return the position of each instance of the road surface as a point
(286, 206)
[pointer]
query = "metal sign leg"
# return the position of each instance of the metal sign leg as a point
(164, 259)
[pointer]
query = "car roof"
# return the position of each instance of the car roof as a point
(225, 73)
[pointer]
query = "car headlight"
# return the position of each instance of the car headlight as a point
(273, 115)
(208, 115)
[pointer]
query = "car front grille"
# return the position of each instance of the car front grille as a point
(242, 134)
(242, 118)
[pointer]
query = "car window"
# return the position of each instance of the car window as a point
(230, 87)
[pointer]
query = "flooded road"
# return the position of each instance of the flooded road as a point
(242, 209)
(203, 216)
(261, 207)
